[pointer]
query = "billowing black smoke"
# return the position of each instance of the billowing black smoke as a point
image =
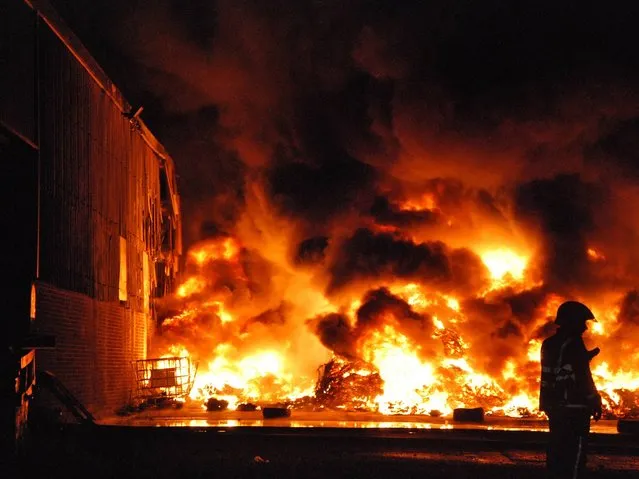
(383, 256)
(379, 308)
(564, 209)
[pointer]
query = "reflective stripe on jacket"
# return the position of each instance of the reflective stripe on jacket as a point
(566, 379)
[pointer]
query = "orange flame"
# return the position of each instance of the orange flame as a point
(425, 202)
(246, 361)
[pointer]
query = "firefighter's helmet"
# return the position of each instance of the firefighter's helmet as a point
(573, 313)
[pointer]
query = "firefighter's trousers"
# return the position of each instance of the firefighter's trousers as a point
(568, 442)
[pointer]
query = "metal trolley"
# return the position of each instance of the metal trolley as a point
(163, 379)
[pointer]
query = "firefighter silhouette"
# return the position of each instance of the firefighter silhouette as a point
(568, 394)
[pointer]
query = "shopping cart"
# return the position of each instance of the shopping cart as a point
(160, 380)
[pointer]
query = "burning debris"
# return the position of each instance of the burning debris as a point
(213, 404)
(468, 415)
(347, 384)
(275, 412)
(398, 350)
(622, 403)
(163, 381)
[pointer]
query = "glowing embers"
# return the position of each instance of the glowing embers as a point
(521, 405)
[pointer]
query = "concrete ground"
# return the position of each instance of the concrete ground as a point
(196, 444)
(193, 415)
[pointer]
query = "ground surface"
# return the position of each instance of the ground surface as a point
(195, 415)
(157, 444)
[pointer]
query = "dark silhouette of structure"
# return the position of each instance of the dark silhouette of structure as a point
(568, 394)
(91, 219)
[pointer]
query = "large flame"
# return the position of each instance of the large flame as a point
(504, 263)
(429, 368)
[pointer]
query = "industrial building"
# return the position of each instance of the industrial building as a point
(91, 218)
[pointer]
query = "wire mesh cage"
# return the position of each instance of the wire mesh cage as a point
(163, 378)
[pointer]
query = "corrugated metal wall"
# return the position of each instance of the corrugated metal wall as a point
(100, 181)
(81, 179)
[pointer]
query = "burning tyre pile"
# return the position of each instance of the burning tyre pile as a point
(398, 349)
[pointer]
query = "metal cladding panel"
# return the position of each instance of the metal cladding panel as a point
(92, 182)
(100, 204)
(100, 182)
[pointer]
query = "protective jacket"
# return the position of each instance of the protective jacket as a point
(566, 379)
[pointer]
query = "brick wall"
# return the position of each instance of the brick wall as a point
(96, 343)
